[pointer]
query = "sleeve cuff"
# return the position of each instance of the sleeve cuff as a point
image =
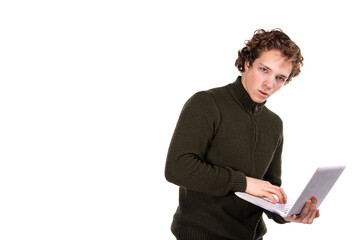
(239, 181)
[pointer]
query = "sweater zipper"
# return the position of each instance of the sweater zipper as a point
(254, 143)
(253, 120)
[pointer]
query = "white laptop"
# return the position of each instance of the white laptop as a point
(319, 185)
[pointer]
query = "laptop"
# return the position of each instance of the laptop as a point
(319, 185)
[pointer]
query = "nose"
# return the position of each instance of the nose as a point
(268, 83)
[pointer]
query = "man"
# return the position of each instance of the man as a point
(226, 140)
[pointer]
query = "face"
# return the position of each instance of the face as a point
(267, 74)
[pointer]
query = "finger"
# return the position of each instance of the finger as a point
(316, 213)
(309, 218)
(312, 217)
(312, 214)
(314, 198)
(313, 205)
(305, 209)
(279, 192)
(279, 195)
(284, 196)
(271, 197)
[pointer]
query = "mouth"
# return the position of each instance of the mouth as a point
(264, 94)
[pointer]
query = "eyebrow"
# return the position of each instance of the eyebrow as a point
(281, 75)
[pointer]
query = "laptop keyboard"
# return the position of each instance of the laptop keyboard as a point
(284, 208)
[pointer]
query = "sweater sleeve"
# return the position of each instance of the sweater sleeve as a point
(186, 163)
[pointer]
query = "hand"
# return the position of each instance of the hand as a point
(262, 188)
(307, 214)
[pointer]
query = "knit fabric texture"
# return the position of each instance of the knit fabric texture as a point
(221, 137)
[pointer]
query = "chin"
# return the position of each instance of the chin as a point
(259, 100)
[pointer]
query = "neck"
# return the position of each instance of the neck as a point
(238, 90)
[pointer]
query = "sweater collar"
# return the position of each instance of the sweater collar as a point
(241, 96)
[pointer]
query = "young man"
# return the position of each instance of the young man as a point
(226, 140)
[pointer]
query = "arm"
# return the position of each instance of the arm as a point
(186, 163)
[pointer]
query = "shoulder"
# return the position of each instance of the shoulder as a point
(199, 99)
(207, 96)
(201, 105)
(205, 104)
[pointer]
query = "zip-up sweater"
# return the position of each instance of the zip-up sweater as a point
(221, 137)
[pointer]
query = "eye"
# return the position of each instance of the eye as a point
(263, 69)
(282, 79)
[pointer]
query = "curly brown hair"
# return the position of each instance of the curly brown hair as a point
(269, 40)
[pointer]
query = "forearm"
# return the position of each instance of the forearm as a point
(195, 174)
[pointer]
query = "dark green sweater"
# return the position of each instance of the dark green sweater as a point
(221, 137)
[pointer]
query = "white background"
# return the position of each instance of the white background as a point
(90, 92)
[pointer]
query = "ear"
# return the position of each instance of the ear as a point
(246, 65)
